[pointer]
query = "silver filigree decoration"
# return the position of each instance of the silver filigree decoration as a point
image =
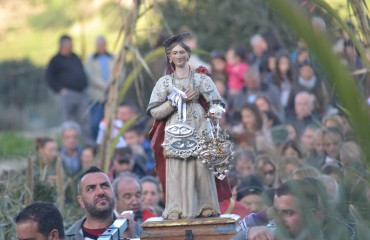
(214, 148)
(179, 130)
(181, 146)
(216, 152)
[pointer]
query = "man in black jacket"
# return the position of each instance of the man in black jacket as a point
(66, 77)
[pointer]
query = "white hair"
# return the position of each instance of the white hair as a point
(255, 38)
(123, 177)
(333, 193)
(100, 38)
(70, 125)
(309, 96)
(318, 21)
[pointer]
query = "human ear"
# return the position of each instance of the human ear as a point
(318, 214)
(54, 235)
(79, 200)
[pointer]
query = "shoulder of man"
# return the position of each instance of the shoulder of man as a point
(73, 233)
(55, 59)
(76, 57)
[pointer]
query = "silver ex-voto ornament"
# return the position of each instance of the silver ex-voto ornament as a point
(214, 147)
(216, 153)
(211, 146)
(182, 141)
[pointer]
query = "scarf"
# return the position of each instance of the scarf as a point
(308, 84)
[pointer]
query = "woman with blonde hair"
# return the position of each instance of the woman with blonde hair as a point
(333, 120)
(285, 168)
(305, 172)
(265, 169)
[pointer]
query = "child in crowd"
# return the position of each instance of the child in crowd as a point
(235, 69)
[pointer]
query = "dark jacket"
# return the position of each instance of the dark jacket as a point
(237, 102)
(66, 72)
(75, 232)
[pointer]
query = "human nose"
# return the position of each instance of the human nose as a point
(253, 207)
(136, 199)
(100, 191)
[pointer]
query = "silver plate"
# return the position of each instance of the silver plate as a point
(184, 144)
(179, 130)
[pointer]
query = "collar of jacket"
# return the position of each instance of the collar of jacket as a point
(97, 55)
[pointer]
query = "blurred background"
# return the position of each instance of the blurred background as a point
(30, 31)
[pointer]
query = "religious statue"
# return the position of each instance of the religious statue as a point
(192, 152)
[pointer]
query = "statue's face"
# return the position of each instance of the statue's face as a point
(179, 56)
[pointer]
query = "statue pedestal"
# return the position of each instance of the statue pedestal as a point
(222, 227)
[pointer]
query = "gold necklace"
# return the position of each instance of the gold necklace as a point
(180, 81)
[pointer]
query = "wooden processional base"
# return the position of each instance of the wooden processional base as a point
(222, 227)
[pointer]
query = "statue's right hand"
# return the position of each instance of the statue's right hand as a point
(190, 94)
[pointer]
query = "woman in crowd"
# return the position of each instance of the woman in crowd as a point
(47, 151)
(252, 122)
(244, 162)
(286, 167)
(283, 77)
(266, 170)
(291, 149)
(45, 169)
(88, 156)
(305, 172)
(333, 120)
(151, 192)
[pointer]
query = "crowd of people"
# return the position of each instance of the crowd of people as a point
(296, 156)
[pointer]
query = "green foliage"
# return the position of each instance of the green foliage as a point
(110, 9)
(22, 82)
(44, 192)
(50, 19)
(153, 55)
(219, 23)
(13, 190)
(22, 85)
(355, 39)
(13, 145)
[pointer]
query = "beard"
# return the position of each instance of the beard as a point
(100, 212)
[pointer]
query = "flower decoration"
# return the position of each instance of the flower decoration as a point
(203, 70)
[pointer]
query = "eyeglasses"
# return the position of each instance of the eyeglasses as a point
(271, 172)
